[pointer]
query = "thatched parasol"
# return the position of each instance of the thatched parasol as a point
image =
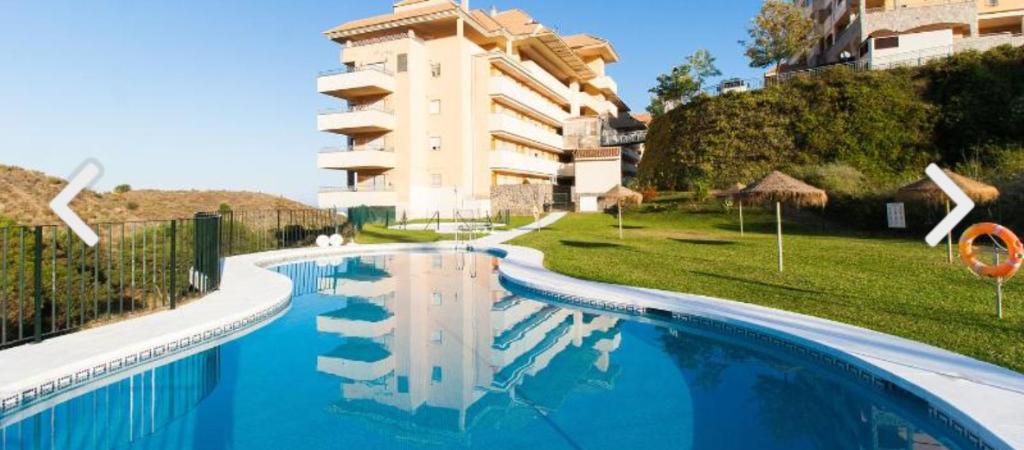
(628, 196)
(620, 196)
(780, 188)
(926, 191)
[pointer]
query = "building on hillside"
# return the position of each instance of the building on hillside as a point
(456, 109)
(887, 33)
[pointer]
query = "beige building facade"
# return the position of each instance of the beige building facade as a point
(889, 33)
(443, 102)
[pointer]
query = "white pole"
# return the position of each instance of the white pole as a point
(778, 229)
(949, 239)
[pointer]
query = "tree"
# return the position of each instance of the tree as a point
(122, 188)
(683, 82)
(779, 32)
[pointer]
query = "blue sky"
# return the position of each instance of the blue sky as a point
(221, 94)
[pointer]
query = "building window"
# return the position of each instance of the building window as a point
(403, 385)
(435, 143)
(403, 62)
(435, 106)
(436, 375)
(435, 70)
(435, 180)
(438, 261)
(435, 299)
(887, 42)
(437, 336)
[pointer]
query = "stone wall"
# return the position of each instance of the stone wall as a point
(520, 199)
(960, 12)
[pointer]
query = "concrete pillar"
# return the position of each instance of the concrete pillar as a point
(574, 100)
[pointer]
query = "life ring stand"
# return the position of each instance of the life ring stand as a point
(1003, 271)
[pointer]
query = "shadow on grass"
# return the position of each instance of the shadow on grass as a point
(584, 244)
(628, 227)
(702, 241)
(759, 283)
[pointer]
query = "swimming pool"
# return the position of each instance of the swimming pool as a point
(428, 350)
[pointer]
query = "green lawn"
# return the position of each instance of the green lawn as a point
(897, 286)
(377, 234)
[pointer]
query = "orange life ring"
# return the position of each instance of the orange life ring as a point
(1007, 268)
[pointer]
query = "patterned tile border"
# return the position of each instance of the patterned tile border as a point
(74, 380)
(824, 358)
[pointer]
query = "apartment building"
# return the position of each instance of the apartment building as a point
(886, 33)
(443, 103)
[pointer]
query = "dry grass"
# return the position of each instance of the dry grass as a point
(25, 196)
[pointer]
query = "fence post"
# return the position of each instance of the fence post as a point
(280, 235)
(231, 234)
(174, 264)
(37, 284)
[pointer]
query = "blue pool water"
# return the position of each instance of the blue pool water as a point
(429, 351)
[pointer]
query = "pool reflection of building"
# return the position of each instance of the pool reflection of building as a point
(433, 353)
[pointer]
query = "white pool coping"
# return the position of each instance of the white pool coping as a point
(986, 400)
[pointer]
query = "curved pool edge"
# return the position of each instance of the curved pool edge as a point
(981, 401)
(249, 297)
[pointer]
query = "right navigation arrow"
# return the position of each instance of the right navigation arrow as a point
(963, 203)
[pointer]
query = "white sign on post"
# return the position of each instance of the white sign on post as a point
(896, 215)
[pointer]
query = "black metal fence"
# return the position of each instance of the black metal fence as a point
(52, 283)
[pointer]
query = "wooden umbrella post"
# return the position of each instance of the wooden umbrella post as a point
(949, 239)
(778, 230)
(741, 217)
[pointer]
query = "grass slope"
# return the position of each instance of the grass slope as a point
(25, 196)
(896, 286)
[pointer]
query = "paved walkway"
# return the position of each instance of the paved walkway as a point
(500, 237)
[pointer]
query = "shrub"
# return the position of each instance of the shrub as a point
(224, 208)
(132, 206)
(649, 194)
(122, 188)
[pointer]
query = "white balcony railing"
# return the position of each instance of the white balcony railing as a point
(512, 161)
(350, 83)
(519, 130)
(356, 119)
(605, 83)
(350, 196)
(533, 75)
(515, 92)
(356, 158)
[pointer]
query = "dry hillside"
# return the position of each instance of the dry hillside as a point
(25, 196)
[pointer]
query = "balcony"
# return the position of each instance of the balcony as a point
(353, 196)
(517, 130)
(605, 84)
(567, 170)
(349, 83)
(593, 103)
(512, 161)
(356, 158)
(543, 109)
(356, 120)
(533, 75)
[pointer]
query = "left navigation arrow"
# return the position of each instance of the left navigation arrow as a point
(84, 177)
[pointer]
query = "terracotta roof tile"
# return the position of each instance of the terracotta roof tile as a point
(516, 21)
(384, 18)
